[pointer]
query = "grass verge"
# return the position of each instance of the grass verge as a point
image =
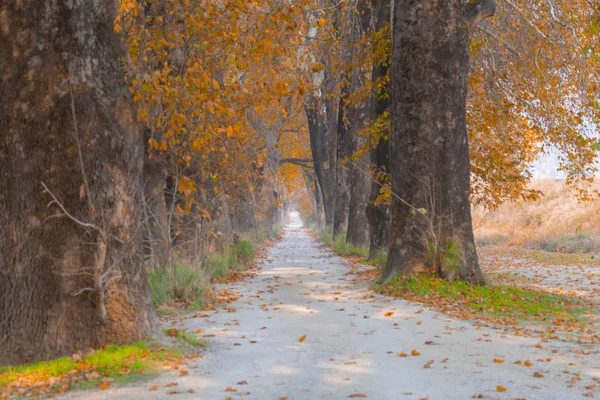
(345, 249)
(497, 303)
(101, 368)
(189, 287)
(185, 337)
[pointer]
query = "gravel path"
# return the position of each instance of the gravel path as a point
(352, 341)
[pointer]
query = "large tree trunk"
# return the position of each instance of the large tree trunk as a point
(342, 177)
(379, 214)
(322, 144)
(67, 283)
(358, 115)
(431, 225)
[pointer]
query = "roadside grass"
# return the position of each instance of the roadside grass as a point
(562, 258)
(184, 337)
(578, 243)
(341, 247)
(189, 287)
(104, 367)
(494, 300)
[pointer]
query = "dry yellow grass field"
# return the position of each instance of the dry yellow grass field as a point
(556, 222)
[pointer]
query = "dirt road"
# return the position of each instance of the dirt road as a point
(352, 344)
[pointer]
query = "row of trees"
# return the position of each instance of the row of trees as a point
(142, 132)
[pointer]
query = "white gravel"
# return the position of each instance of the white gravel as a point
(354, 350)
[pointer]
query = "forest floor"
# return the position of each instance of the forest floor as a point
(304, 327)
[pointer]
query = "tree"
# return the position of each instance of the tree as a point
(378, 212)
(431, 216)
(71, 269)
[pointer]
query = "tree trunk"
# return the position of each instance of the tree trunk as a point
(379, 214)
(431, 225)
(67, 283)
(358, 115)
(342, 177)
(157, 232)
(322, 144)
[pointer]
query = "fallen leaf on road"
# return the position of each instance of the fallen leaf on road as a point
(230, 389)
(357, 395)
(428, 364)
(528, 363)
(242, 383)
(183, 372)
(388, 314)
(498, 360)
(153, 388)
(414, 352)
(501, 388)
(302, 339)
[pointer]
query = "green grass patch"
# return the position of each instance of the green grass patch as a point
(185, 337)
(112, 361)
(244, 250)
(216, 265)
(495, 300)
(181, 284)
(341, 247)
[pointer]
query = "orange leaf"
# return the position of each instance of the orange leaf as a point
(498, 360)
(104, 386)
(230, 389)
(357, 395)
(414, 352)
(501, 388)
(302, 339)
(183, 372)
(388, 314)
(528, 363)
(153, 388)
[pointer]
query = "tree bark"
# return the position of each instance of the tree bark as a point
(429, 143)
(157, 232)
(343, 150)
(49, 50)
(378, 215)
(322, 144)
(358, 115)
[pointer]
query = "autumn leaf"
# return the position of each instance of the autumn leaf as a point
(153, 388)
(357, 395)
(528, 363)
(230, 389)
(498, 360)
(302, 338)
(414, 352)
(501, 388)
(388, 314)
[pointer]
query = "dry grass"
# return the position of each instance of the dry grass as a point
(557, 222)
